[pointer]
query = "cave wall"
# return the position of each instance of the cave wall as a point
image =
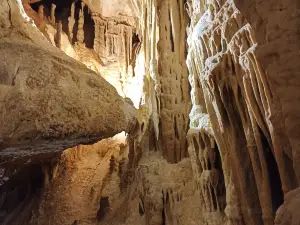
(277, 40)
(104, 40)
(83, 176)
(49, 102)
(243, 158)
(217, 138)
(233, 93)
(167, 95)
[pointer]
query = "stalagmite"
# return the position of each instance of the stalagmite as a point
(214, 138)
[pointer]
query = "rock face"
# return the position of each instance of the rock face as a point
(216, 90)
(287, 213)
(167, 92)
(102, 36)
(70, 103)
(93, 173)
(49, 103)
(236, 104)
(47, 95)
(56, 97)
(112, 8)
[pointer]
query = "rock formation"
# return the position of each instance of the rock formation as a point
(45, 94)
(214, 138)
(50, 102)
(237, 97)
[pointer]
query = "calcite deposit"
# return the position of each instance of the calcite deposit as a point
(238, 97)
(47, 95)
(205, 93)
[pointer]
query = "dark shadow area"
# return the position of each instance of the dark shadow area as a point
(103, 209)
(18, 195)
(63, 12)
(221, 190)
(89, 29)
(141, 208)
(274, 177)
(163, 213)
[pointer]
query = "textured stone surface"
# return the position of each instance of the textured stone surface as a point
(45, 95)
(275, 25)
(227, 153)
(112, 8)
(288, 213)
(100, 35)
(91, 174)
(230, 56)
(167, 91)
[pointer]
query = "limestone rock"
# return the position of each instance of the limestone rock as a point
(90, 179)
(112, 8)
(288, 213)
(215, 83)
(104, 40)
(235, 86)
(45, 95)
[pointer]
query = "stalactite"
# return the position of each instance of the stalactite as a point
(155, 98)
(71, 22)
(222, 59)
(58, 34)
(228, 157)
(52, 18)
(41, 12)
(172, 94)
(80, 32)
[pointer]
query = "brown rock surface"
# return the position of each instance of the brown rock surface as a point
(288, 213)
(218, 135)
(80, 179)
(45, 95)
(237, 53)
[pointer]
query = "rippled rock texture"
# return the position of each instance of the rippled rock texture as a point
(216, 86)
(48, 102)
(236, 59)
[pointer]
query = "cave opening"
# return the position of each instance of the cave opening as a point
(273, 171)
